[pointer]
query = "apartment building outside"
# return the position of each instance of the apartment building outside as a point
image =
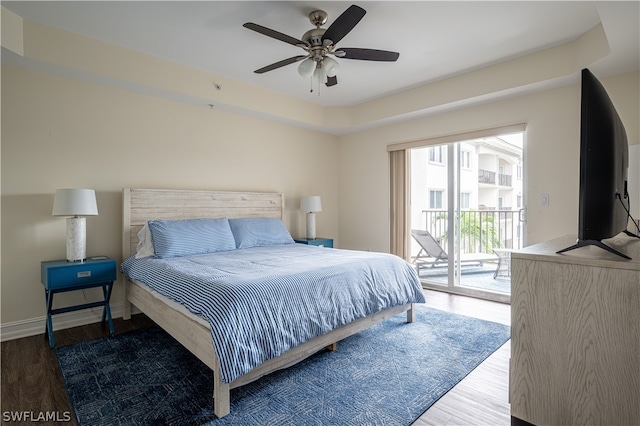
(490, 197)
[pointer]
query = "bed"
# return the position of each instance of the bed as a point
(197, 332)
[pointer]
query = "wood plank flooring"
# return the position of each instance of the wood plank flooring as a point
(30, 380)
(481, 398)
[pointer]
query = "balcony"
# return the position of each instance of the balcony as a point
(480, 230)
(489, 177)
(486, 176)
(504, 180)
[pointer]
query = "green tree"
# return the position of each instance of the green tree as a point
(478, 231)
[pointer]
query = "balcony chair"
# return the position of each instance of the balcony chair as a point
(432, 254)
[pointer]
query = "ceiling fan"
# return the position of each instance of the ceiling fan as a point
(319, 43)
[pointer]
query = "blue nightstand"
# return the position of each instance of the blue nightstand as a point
(320, 242)
(59, 276)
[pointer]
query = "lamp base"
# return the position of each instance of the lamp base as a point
(76, 239)
(311, 226)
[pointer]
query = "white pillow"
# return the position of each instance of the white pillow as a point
(145, 245)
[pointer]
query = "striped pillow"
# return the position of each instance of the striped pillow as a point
(172, 238)
(259, 232)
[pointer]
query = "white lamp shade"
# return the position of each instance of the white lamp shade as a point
(320, 75)
(311, 203)
(75, 202)
(307, 67)
(331, 66)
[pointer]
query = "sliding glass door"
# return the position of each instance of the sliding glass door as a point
(465, 211)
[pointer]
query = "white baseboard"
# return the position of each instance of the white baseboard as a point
(35, 326)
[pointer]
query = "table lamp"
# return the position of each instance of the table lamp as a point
(75, 202)
(310, 205)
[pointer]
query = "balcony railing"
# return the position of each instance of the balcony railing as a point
(486, 176)
(480, 230)
(504, 180)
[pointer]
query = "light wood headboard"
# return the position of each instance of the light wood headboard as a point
(141, 205)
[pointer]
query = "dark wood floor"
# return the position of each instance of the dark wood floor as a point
(32, 382)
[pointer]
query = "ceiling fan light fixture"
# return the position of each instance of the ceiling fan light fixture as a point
(307, 68)
(331, 66)
(320, 75)
(318, 42)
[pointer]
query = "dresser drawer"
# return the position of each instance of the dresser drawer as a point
(62, 274)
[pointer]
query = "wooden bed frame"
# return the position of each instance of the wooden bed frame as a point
(141, 205)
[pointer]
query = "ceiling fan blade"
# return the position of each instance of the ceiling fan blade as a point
(367, 54)
(331, 81)
(273, 33)
(280, 64)
(344, 23)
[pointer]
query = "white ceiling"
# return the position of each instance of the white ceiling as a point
(435, 39)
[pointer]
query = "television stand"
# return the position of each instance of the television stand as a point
(575, 335)
(597, 243)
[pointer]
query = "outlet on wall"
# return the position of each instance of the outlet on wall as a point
(544, 200)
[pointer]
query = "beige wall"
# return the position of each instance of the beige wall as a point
(551, 158)
(88, 114)
(58, 132)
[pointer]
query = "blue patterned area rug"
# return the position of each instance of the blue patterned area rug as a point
(386, 375)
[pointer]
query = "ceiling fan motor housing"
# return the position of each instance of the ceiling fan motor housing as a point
(314, 37)
(316, 47)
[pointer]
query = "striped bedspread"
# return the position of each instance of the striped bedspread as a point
(263, 301)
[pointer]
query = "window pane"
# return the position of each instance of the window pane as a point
(464, 200)
(435, 199)
(436, 154)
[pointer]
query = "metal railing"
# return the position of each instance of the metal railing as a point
(480, 230)
(486, 176)
(504, 180)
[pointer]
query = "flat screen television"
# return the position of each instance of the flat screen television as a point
(604, 162)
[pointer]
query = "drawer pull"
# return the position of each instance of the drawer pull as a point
(84, 274)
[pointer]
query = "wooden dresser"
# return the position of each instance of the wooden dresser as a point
(575, 337)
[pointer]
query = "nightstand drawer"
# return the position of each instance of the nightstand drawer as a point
(320, 242)
(61, 274)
